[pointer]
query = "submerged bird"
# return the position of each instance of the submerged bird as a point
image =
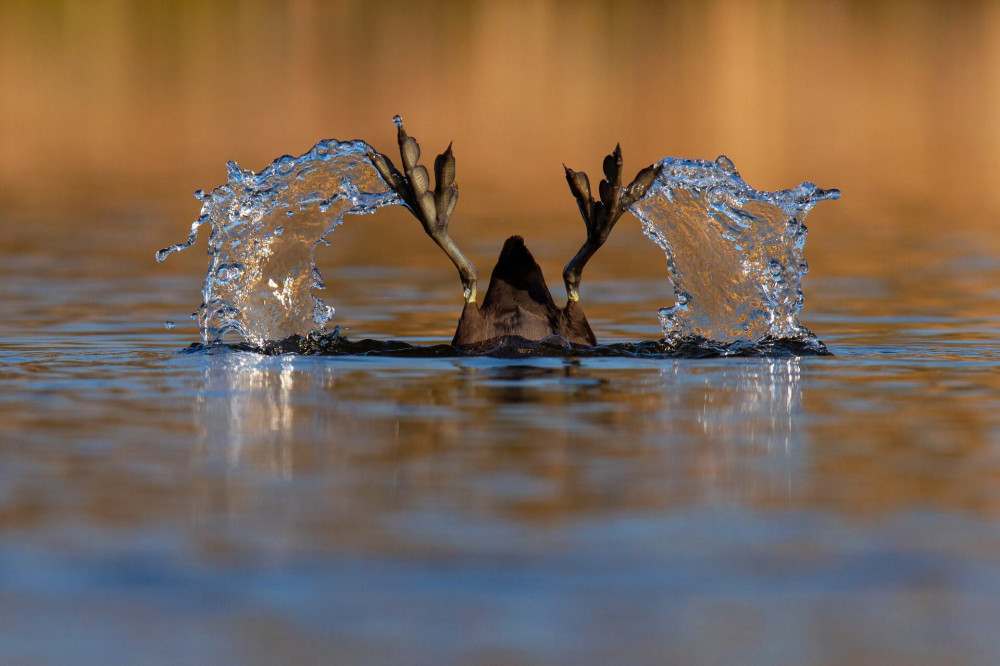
(518, 301)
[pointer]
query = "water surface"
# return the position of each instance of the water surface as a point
(165, 507)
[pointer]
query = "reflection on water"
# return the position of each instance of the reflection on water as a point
(675, 433)
(246, 412)
(361, 506)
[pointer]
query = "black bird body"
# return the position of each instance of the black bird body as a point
(518, 302)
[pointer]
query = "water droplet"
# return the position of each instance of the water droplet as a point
(717, 196)
(725, 164)
(325, 205)
(279, 230)
(805, 192)
(234, 172)
(228, 272)
(322, 313)
(169, 324)
(317, 280)
(289, 213)
(199, 195)
(285, 165)
(397, 120)
(775, 268)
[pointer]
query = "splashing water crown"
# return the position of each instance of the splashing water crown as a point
(734, 255)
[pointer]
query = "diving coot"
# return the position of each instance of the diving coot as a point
(517, 302)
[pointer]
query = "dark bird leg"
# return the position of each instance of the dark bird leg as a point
(600, 216)
(432, 208)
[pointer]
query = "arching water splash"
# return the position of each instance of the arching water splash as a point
(265, 229)
(734, 257)
(734, 254)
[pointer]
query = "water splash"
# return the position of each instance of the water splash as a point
(265, 229)
(734, 255)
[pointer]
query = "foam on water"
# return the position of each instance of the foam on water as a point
(265, 229)
(734, 255)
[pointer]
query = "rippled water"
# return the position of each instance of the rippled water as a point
(169, 507)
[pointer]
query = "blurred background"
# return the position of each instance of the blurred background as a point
(115, 111)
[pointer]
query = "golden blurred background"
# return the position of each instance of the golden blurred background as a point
(108, 104)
